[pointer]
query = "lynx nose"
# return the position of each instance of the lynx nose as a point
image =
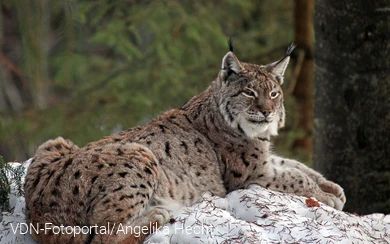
(266, 113)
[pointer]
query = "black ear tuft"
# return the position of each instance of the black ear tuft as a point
(230, 43)
(290, 49)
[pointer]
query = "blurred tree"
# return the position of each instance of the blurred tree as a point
(351, 106)
(303, 77)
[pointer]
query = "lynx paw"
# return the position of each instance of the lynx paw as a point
(334, 189)
(331, 200)
(159, 216)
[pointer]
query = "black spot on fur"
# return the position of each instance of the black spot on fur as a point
(198, 173)
(126, 196)
(260, 175)
(102, 188)
(118, 189)
(167, 149)
(301, 182)
(188, 119)
(292, 185)
(58, 146)
(141, 194)
(147, 170)
(110, 174)
(163, 128)
(254, 155)
(199, 109)
(101, 166)
(94, 179)
(236, 174)
(111, 164)
(55, 160)
(67, 163)
(197, 141)
(142, 186)
(77, 174)
(282, 162)
(36, 181)
(268, 185)
(107, 201)
(57, 181)
(263, 139)
(55, 192)
(244, 160)
(149, 184)
(247, 178)
(240, 129)
(127, 165)
(139, 176)
(265, 162)
(184, 145)
(118, 210)
(75, 190)
(134, 186)
(122, 174)
(228, 112)
(284, 187)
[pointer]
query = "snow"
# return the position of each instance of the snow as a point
(253, 215)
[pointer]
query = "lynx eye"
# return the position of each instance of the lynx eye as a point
(274, 94)
(249, 93)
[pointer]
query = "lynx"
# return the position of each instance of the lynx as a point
(217, 142)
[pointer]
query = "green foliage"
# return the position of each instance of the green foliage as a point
(9, 176)
(116, 64)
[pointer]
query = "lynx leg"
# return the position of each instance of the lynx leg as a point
(292, 180)
(323, 184)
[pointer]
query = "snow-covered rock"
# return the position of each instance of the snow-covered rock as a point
(254, 215)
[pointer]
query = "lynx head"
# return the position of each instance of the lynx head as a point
(250, 97)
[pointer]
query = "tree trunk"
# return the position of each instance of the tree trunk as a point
(351, 106)
(303, 16)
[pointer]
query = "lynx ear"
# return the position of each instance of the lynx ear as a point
(279, 67)
(230, 64)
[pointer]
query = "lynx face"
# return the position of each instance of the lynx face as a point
(250, 96)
